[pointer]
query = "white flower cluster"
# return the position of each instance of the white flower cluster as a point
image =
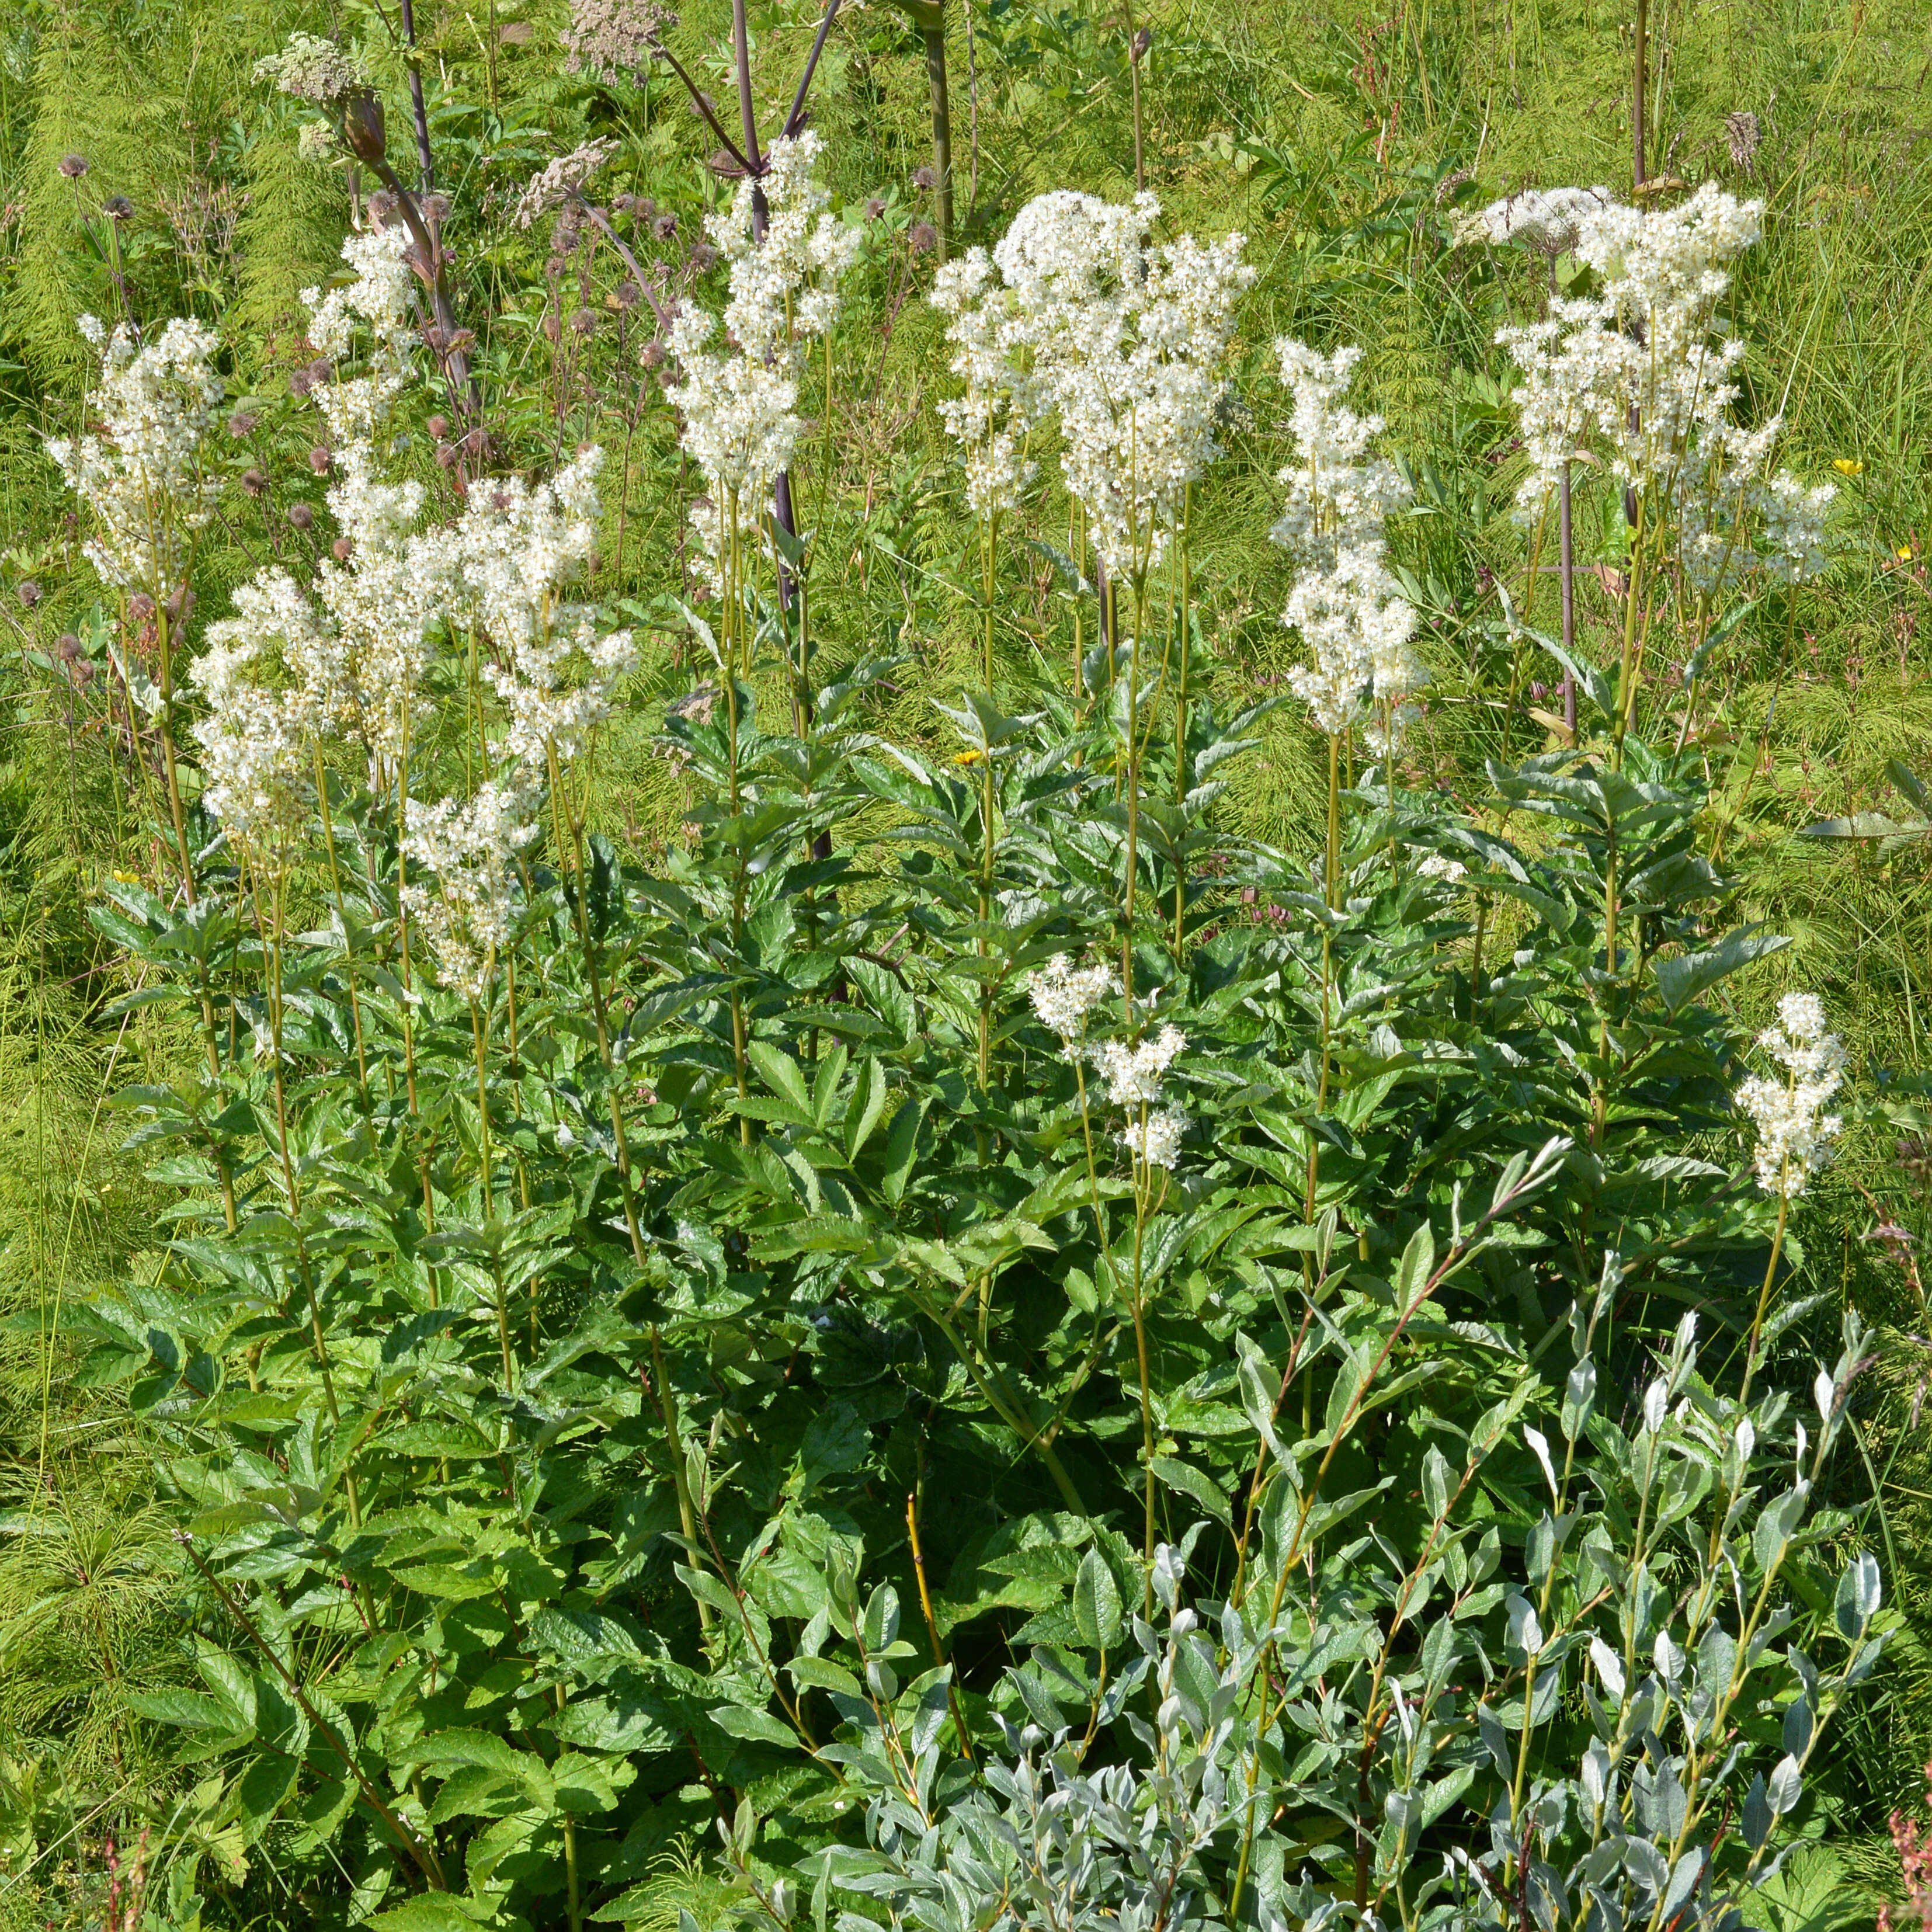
(989, 421)
(1636, 370)
(1791, 528)
(1122, 341)
(1548, 220)
(784, 288)
(141, 476)
(1794, 1132)
(379, 298)
(739, 407)
(1134, 1075)
(509, 561)
(256, 736)
(354, 658)
(1064, 994)
(1438, 865)
(1339, 494)
(469, 848)
(1347, 608)
(381, 605)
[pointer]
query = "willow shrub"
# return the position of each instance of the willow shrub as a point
(970, 1516)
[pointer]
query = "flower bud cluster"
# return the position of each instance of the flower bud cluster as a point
(1794, 1132)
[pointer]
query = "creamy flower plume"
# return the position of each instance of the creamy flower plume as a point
(1438, 865)
(1794, 1132)
(257, 734)
(469, 849)
(739, 407)
(784, 287)
(1339, 492)
(1346, 606)
(379, 300)
(513, 557)
(1639, 372)
(143, 475)
(1124, 343)
(1156, 1140)
(1064, 994)
(1134, 1073)
(988, 420)
(1792, 538)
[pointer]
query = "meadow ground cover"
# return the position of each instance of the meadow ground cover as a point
(964, 966)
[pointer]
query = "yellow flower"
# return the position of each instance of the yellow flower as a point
(1848, 466)
(1905, 552)
(128, 878)
(971, 757)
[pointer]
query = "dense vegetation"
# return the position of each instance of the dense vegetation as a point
(847, 1075)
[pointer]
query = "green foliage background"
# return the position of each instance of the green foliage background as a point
(1333, 138)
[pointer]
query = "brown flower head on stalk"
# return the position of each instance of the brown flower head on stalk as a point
(567, 175)
(1743, 135)
(610, 40)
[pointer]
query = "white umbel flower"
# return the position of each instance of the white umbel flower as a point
(1548, 220)
(1794, 1132)
(1064, 994)
(143, 475)
(469, 848)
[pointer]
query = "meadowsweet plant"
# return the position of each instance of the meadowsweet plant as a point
(145, 481)
(1636, 371)
(954, 1327)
